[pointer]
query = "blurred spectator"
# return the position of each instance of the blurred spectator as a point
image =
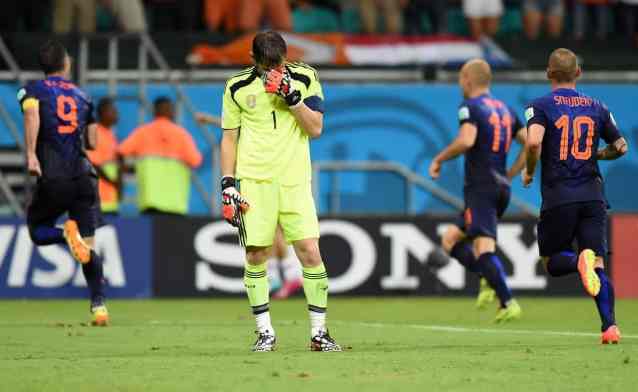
(66, 13)
(483, 16)
(174, 15)
(582, 8)
(247, 15)
(221, 15)
(129, 14)
(436, 11)
(27, 14)
(104, 156)
(391, 11)
(165, 154)
(630, 16)
(311, 16)
(277, 13)
(539, 12)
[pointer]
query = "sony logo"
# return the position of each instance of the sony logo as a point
(407, 242)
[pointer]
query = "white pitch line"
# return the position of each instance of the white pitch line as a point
(424, 327)
(444, 328)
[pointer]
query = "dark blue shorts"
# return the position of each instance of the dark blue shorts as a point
(78, 197)
(585, 222)
(483, 209)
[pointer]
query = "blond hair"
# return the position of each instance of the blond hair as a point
(479, 72)
(563, 66)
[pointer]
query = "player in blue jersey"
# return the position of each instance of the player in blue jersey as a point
(564, 130)
(487, 127)
(58, 125)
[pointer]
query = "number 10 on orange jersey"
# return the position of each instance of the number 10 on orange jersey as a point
(563, 124)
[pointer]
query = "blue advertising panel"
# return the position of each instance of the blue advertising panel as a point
(27, 271)
(403, 122)
(410, 123)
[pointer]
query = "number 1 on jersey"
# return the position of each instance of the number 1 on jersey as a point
(274, 120)
(67, 111)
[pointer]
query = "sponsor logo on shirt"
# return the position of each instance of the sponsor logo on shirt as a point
(529, 113)
(21, 93)
(464, 113)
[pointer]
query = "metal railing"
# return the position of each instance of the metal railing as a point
(113, 75)
(11, 126)
(14, 70)
(412, 180)
(18, 78)
(10, 196)
(5, 118)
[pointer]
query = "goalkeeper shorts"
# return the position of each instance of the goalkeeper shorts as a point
(271, 203)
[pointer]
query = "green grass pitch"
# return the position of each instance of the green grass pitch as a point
(393, 344)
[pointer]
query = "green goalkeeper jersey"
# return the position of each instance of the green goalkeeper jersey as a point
(272, 146)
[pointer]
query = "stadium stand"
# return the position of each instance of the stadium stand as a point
(399, 300)
(133, 67)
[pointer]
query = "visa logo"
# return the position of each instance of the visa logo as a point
(25, 265)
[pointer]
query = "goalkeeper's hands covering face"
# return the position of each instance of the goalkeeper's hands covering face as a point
(278, 81)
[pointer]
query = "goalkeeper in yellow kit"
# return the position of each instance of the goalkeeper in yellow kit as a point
(270, 111)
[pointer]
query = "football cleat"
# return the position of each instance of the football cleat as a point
(265, 342)
(485, 296)
(79, 249)
(323, 342)
(100, 316)
(289, 288)
(611, 335)
(589, 277)
(510, 312)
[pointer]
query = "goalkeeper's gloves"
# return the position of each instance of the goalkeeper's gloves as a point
(278, 81)
(233, 203)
